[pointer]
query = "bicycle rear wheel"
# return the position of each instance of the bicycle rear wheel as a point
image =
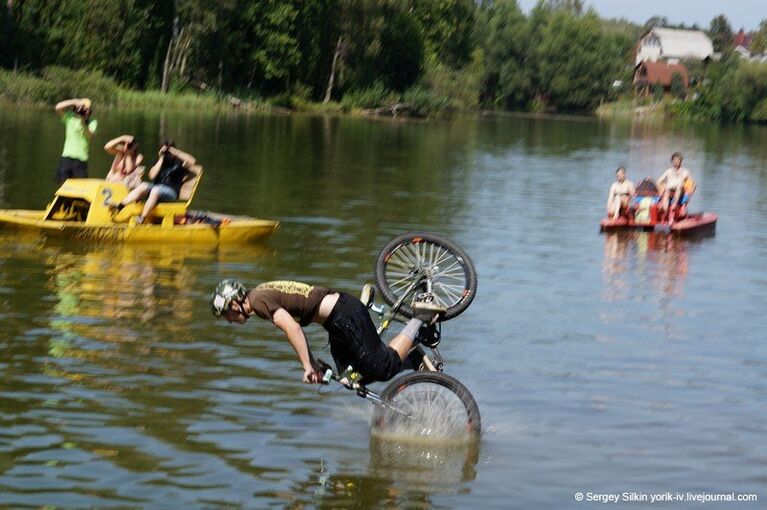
(427, 263)
(428, 405)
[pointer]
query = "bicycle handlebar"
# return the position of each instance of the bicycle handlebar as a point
(350, 379)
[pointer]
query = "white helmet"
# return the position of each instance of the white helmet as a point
(226, 292)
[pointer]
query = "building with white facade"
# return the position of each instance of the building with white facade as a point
(670, 44)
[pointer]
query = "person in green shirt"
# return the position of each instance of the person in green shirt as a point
(76, 116)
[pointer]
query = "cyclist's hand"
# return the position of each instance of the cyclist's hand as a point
(312, 376)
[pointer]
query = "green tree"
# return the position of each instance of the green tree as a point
(509, 79)
(654, 22)
(574, 7)
(117, 37)
(578, 62)
(376, 41)
(759, 41)
(678, 90)
(720, 32)
(7, 39)
(447, 27)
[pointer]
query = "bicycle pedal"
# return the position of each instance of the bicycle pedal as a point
(429, 336)
(367, 295)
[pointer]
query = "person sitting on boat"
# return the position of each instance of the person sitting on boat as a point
(620, 194)
(126, 167)
(167, 176)
(76, 116)
(354, 340)
(671, 184)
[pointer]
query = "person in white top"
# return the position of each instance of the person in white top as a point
(671, 184)
(620, 194)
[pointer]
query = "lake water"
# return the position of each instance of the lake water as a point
(601, 364)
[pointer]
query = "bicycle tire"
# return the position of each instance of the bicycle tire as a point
(382, 417)
(416, 251)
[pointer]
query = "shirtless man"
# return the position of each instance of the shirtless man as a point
(620, 194)
(671, 185)
(354, 341)
(126, 167)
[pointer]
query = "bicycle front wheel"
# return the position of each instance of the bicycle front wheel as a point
(428, 405)
(414, 263)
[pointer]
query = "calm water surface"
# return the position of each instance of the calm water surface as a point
(600, 363)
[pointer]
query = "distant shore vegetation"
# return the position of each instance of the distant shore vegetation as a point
(386, 57)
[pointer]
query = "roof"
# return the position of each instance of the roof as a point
(742, 39)
(659, 72)
(677, 43)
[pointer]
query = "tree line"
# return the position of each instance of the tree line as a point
(463, 54)
(470, 53)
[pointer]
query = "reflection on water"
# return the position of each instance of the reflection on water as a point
(399, 474)
(432, 463)
(659, 261)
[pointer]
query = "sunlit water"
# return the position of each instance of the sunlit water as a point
(600, 363)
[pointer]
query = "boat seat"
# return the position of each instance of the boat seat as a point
(169, 210)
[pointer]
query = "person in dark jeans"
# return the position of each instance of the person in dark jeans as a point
(167, 176)
(353, 337)
(76, 116)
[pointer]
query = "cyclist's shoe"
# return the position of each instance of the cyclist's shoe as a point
(367, 295)
(428, 336)
(428, 312)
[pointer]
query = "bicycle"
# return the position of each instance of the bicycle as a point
(426, 401)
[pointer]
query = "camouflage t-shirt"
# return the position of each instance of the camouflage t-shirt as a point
(300, 300)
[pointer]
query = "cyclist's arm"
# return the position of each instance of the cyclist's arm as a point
(283, 320)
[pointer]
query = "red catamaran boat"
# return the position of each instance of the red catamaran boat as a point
(644, 213)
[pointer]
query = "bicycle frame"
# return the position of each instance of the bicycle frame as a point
(350, 380)
(433, 363)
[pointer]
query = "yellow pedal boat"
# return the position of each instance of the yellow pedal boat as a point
(80, 210)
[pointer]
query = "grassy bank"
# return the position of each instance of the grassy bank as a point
(56, 83)
(629, 107)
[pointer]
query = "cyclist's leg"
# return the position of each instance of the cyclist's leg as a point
(354, 341)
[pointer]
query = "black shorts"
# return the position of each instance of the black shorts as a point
(354, 341)
(71, 168)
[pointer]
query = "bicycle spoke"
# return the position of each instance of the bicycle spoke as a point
(402, 264)
(432, 407)
(452, 295)
(451, 266)
(440, 301)
(399, 259)
(415, 254)
(407, 255)
(445, 253)
(400, 282)
(397, 273)
(398, 288)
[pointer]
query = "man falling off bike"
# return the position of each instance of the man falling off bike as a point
(354, 341)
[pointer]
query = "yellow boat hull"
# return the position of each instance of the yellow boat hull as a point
(239, 229)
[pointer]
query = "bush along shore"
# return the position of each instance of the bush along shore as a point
(56, 83)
